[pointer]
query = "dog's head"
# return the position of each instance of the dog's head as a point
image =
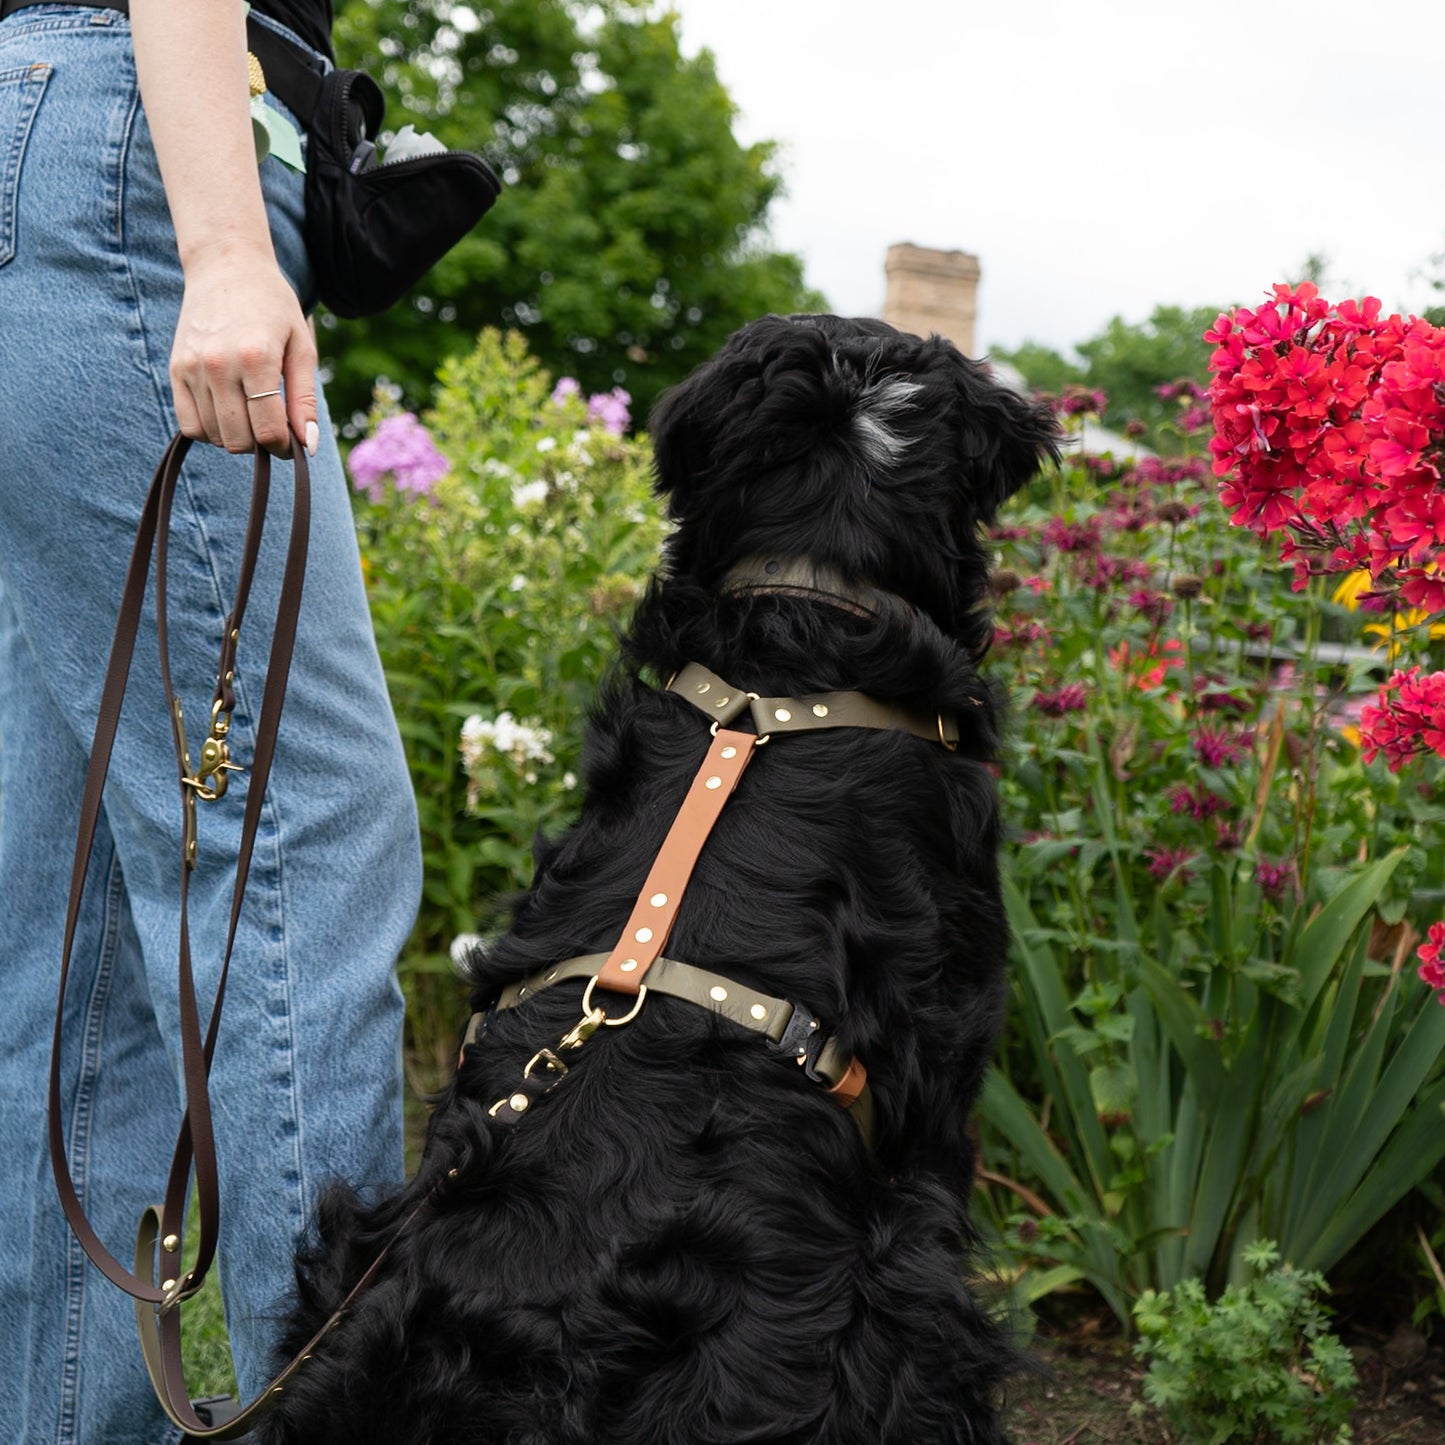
(850, 443)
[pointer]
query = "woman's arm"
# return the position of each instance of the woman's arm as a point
(241, 330)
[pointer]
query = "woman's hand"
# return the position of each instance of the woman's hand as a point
(243, 367)
(241, 337)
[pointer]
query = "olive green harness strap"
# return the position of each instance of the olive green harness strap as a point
(789, 1027)
(812, 712)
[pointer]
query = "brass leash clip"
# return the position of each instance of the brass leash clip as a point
(210, 781)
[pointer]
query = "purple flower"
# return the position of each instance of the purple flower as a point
(1164, 862)
(1066, 536)
(400, 448)
(1071, 698)
(1198, 802)
(569, 386)
(1217, 747)
(611, 410)
(1272, 877)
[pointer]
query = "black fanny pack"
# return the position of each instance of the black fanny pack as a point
(372, 230)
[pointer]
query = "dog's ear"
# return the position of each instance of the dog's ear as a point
(1004, 436)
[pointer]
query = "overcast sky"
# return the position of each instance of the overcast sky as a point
(1098, 158)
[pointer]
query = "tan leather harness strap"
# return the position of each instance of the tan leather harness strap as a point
(813, 712)
(656, 909)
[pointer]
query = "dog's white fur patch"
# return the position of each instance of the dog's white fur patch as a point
(879, 405)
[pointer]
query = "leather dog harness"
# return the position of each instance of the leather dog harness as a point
(637, 965)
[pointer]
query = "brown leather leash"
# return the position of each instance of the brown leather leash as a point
(158, 1284)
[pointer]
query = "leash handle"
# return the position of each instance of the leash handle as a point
(195, 1142)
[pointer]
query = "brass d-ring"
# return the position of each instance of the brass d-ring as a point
(627, 1017)
(952, 747)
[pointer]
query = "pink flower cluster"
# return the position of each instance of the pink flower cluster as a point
(1406, 720)
(1329, 427)
(1329, 422)
(611, 410)
(400, 448)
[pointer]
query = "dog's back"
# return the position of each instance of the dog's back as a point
(686, 1239)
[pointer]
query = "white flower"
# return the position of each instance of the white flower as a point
(569, 781)
(517, 583)
(546, 444)
(526, 493)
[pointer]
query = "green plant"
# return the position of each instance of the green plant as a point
(496, 590)
(1256, 1367)
(1216, 1037)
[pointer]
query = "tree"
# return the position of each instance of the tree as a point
(630, 238)
(1127, 361)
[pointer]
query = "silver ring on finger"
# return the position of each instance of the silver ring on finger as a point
(261, 395)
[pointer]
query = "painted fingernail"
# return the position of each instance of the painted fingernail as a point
(313, 438)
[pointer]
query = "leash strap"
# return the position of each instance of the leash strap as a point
(195, 1142)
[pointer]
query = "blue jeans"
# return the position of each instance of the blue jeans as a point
(306, 1084)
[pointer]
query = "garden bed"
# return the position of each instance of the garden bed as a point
(1091, 1382)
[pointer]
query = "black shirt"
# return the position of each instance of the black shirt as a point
(310, 19)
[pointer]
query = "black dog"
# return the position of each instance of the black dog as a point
(685, 1239)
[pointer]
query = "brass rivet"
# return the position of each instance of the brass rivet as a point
(170, 1244)
(521, 994)
(819, 710)
(451, 1173)
(519, 1102)
(643, 935)
(729, 752)
(758, 1011)
(628, 965)
(714, 783)
(551, 976)
(658, 900)
(718, 992)
(704, 687)
(168, 1284)
(783, 715)
(722, 702)
(235, 634)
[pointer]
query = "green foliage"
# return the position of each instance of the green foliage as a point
(1205, 1048)
(629, 241)
(1258, 1365)
(1127, 361)
(500, 593)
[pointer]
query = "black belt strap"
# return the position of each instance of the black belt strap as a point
(293, 74)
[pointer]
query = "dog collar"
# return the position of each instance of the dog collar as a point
(801, 577)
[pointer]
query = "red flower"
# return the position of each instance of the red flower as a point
(1432, 966)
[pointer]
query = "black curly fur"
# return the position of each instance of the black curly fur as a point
(686, 1242)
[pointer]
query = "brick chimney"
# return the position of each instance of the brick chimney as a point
(932, 291)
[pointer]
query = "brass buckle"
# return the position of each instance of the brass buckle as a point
(546, 1056)
(177, 1290)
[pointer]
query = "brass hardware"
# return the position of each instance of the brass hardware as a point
(658, 900)
(718, 992)
(783, 715)
(714, 782)
(612, 1023)
(704, 687)
(168, 1284)
(729, 752)
(170, 1244)
(215, 757)
(628, 965)
(553, 1063)
(721, 703)
(643, 935)
(819, 710)
(591, 1020)
(758, 1012)
(451, 1174)
(520, 1102)
(952, 747)
(188, 823)
(176, 1291)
